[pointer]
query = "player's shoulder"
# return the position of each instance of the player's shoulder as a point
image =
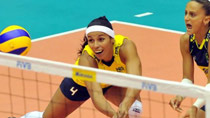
(185, 43)
(85, 56)
(185, 37)
(87, 60)
(127, 44)
(128, 48)
(123, 42)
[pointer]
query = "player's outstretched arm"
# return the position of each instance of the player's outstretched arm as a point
(95, 90)
(132, 61)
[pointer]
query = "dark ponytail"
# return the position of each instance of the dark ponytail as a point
(85, 42)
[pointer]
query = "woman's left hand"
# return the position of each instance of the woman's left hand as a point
(123, 111)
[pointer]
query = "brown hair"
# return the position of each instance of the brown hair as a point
(206, 5)
(85, 42)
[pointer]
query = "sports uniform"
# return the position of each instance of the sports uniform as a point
(74, 88)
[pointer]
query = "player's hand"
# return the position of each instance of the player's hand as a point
(123, 111)
(191, 113)
(176, 102)
(115, 116)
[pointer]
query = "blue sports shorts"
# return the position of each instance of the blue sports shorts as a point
(203, 108)
(75, 92)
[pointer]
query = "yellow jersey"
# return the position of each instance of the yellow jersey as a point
(117, 65)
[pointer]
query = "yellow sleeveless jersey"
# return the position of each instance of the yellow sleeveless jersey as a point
(117, 65)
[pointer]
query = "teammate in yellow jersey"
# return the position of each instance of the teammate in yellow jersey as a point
(194, 45)
(104, 50)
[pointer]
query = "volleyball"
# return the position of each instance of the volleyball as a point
(15, 39)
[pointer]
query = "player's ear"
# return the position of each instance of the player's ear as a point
(206, 20)
(112, 39)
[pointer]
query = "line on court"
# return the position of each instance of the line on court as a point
(143, 14)
(149, 27)
(114, 21)
(58, 34)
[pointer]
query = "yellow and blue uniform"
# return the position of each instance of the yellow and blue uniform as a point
(200, 53)
(75, 89)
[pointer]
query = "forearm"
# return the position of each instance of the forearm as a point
(103, 106)
(185, 81)
(201, 102)
(133, 67)
(130, 96)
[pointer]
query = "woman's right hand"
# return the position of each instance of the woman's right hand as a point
(176, 102)
(115, 115)
(191, 113)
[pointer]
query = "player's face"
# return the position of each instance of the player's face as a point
(194, 17)
(101, 44)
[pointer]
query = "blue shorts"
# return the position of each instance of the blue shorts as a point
(75, 92)
(203, 108)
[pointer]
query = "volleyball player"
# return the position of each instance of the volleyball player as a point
(194, 45)
(102, 49)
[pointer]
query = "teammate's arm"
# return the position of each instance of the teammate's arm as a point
(192, 112)
(188, 64)
(94, 88)
(188, 70)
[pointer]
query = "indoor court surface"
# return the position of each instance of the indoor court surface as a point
(57, 33)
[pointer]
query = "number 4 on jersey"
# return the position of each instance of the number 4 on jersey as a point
(73, 90)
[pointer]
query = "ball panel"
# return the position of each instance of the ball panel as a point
(25, 52)
(13, 34)
(15, 44)
(18, 51)
(12, 27)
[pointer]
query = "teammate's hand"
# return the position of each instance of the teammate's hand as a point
(176, 102)
(191, 113)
